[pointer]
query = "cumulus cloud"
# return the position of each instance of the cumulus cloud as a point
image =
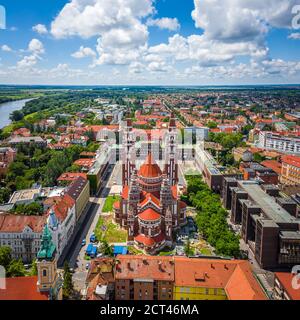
(119, 27)
(84, 52)
(170, 24)
(40, 29)
(36, 49)
(6, 48)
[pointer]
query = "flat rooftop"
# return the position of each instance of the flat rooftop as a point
(267, 203)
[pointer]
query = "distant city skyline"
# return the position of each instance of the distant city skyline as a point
(150, 42)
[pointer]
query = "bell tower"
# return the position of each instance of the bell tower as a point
(47, 266)
(127, 152)
(171, 163)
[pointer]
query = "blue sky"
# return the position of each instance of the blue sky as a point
(149, 42)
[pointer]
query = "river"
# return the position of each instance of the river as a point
(7, 108)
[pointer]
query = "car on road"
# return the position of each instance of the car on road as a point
(83, 242)
(93, 238)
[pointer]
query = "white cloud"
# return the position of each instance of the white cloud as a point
(36, 47)
(119, 27)
(40, 29)
(84, 52)
(6, 48)
(170, 24)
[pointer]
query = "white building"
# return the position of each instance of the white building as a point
(22, 234)
(277, 142)
(61, 222)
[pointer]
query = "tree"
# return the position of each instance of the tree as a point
(212, 125)
(68, 282)
(16, 269)
(34, 270)
(107, 249)
(187, 248)
(5, 257)
(16, 115)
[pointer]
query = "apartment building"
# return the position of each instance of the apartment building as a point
(269, 223)
(22, 234)
(172, 278)
(7, 156)
(278, 142)
(290, 170)
(79, 191)
(144, 278)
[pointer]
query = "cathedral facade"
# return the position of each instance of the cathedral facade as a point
(150, 208)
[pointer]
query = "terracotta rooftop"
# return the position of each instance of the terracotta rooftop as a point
(285, 278)
(150, 197)
(149, 215)
(144, 267)
(150, 169)
(272, 164)
(71, 176)
(292, 160)
(235, 276)
(17, 223)
(22, 288)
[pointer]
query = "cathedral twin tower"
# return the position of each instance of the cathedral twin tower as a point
(150, 209)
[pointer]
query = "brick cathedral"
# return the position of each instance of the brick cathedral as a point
(150, 208)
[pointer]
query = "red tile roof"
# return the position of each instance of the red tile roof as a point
(285, 278)
(272, 164)
(150, 197)
(61, 208)
(150, 169)
(71, 176)
(149, 215)
(235, 276)
(292, 160)
(144, 267)
(17, 223)
(147, 241)
(22, 288)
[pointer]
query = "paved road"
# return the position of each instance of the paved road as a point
(76, 252)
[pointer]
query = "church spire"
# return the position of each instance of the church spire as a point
(47, 250)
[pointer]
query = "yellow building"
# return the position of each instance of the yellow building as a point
(205, 279)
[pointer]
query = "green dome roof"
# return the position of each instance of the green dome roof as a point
(47, 250)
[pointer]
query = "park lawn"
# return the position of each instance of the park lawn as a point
(134, 251)
(107, 230)
(206, 252)
(109, 202)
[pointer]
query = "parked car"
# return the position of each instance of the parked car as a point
(83, 243)
(93, 238)
(87, 266)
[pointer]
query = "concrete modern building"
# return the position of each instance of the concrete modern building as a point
(269, 225)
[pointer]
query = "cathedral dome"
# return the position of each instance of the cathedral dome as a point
(150, 169)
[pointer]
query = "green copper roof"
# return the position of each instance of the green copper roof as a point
(47, 249)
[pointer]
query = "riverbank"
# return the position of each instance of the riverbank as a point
(7, 108)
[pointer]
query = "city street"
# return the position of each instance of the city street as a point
(76, 252)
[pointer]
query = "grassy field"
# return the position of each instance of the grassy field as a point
(107, 230)
(108, 205)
